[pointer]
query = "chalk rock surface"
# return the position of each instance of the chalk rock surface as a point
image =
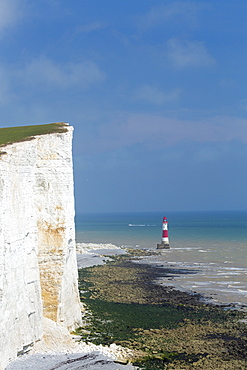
(38, 270)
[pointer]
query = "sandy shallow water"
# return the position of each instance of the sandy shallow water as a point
(220, 284)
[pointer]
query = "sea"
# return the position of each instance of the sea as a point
(208, 250)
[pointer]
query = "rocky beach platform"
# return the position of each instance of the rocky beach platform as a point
(132, 322)
(164, 327)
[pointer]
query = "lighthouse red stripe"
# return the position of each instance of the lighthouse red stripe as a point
(165, 234)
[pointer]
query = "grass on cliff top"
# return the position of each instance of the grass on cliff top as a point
(11, 135)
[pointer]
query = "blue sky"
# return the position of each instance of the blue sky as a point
(156, 92)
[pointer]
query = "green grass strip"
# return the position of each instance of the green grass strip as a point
(11, 135)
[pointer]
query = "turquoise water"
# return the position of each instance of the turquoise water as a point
(212, 243)
(144, 229)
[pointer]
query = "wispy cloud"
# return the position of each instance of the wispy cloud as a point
(10, 12)
(155, 95)
(45, 73)
(90, 27)
(184, 53)
(154, 131)
(176, 11)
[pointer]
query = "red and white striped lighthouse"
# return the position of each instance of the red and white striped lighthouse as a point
(165, 237)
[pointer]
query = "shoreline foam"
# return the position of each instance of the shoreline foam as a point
(91, 254)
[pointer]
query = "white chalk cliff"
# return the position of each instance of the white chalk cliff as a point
(38, 269)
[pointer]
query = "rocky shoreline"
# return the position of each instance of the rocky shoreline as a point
(144, 325)
(192, 335)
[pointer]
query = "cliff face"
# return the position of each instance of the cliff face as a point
(38, 269)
